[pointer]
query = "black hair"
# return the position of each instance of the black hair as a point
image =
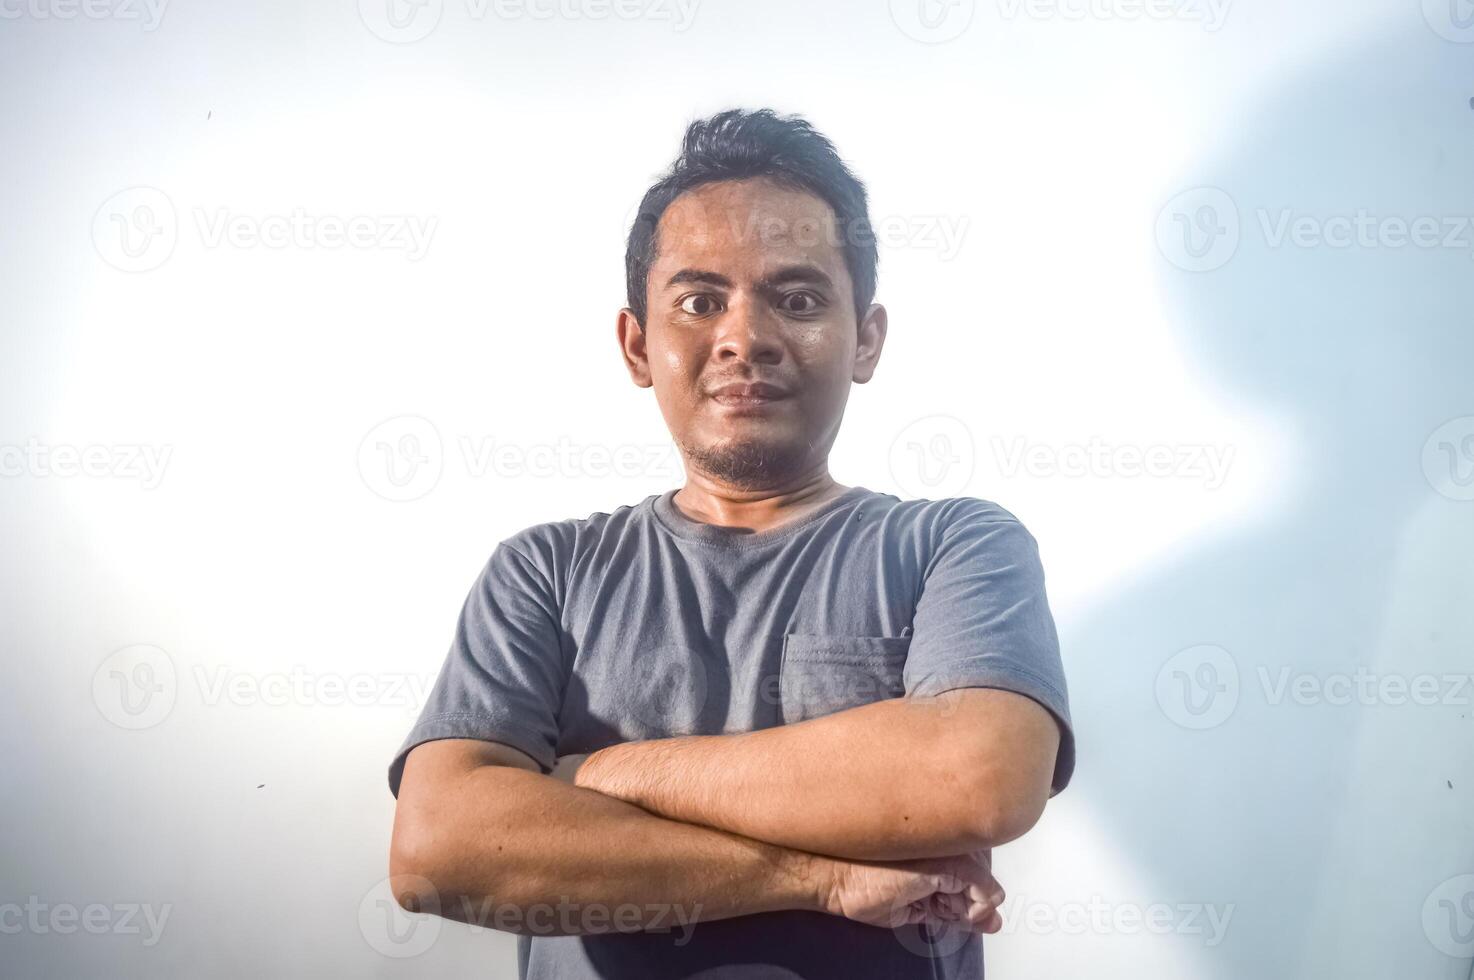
(738, 144)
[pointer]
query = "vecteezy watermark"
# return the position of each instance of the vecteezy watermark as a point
(1200, 230)
(407, 21)
(39, 918)
(587, 918)
(933, 457)
(943, 234)
(1102, 917)
(1209, 13)
(1207, 463)
(142, 462)
(1363, 687)
(402, 458)
(668, 695)
(1452, 20)
(407, 233)
(1199, 687)
(1448, 458)
(392, 930)
(1448, 917)
(303, 687)
(810, 687)
(933, 21)
(135, 687)
(1098, 916)
(148, 12)
(137, 229)
(940, 233)
(138, 687)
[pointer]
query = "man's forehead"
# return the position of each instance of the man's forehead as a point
(752, 226)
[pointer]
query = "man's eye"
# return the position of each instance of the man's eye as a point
(800, 302)
(699, 304)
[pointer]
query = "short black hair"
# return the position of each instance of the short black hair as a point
(738, 144)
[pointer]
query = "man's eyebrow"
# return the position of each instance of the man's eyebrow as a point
(803, 272)
(699, 276)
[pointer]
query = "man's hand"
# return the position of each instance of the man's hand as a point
(936, 890)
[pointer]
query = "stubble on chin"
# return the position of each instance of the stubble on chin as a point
(747, 464)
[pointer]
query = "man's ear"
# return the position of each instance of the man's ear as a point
(632, 347)
(870, 339)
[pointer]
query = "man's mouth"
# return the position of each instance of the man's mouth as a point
(749, 392)
(754, 394)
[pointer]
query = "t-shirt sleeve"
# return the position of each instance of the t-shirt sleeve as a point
(983, 620)
(504, 676)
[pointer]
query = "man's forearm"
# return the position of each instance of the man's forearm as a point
(886, 781)
(518, 851)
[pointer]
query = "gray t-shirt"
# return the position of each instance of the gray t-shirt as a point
(643, 624)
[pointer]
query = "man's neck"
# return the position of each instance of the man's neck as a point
(756, 510)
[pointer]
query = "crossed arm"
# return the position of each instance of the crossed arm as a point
(910, 777)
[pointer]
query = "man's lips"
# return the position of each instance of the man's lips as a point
(748, 394)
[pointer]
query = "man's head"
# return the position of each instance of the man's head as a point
(752, 263)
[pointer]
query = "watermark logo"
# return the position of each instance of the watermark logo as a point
(933, 21)
(1205, 463)
(1363, 687)
(932, 940)
(407, 21)
(1209, 13)
(401, 459)
(407, 233)
(670, 695)
(148, 12)
(933, 457)
(1102, 917)
(136, 229)
(1198, 687)
(1452, 20)
(39, 918)
(389, 928)
(401, 21)
(1448, 917)
(304, 687)
(1198, 230)
(40, 460)
(1201, 229)
(1448, 458)
(135, 687)
(138, 687)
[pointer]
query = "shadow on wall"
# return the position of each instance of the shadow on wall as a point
(1216, 749)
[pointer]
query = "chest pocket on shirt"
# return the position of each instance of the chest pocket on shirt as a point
(820, 675)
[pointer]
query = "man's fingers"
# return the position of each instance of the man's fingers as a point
(990, 892)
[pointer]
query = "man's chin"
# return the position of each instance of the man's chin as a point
(749, 463)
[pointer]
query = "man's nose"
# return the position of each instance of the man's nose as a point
(749, 332)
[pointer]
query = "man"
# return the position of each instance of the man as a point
(806, 712)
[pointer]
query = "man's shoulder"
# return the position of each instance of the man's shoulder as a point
(548, 541)
(942, 513)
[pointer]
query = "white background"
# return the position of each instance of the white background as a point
(294, 394)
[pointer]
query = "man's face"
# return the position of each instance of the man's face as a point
(750, 287)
